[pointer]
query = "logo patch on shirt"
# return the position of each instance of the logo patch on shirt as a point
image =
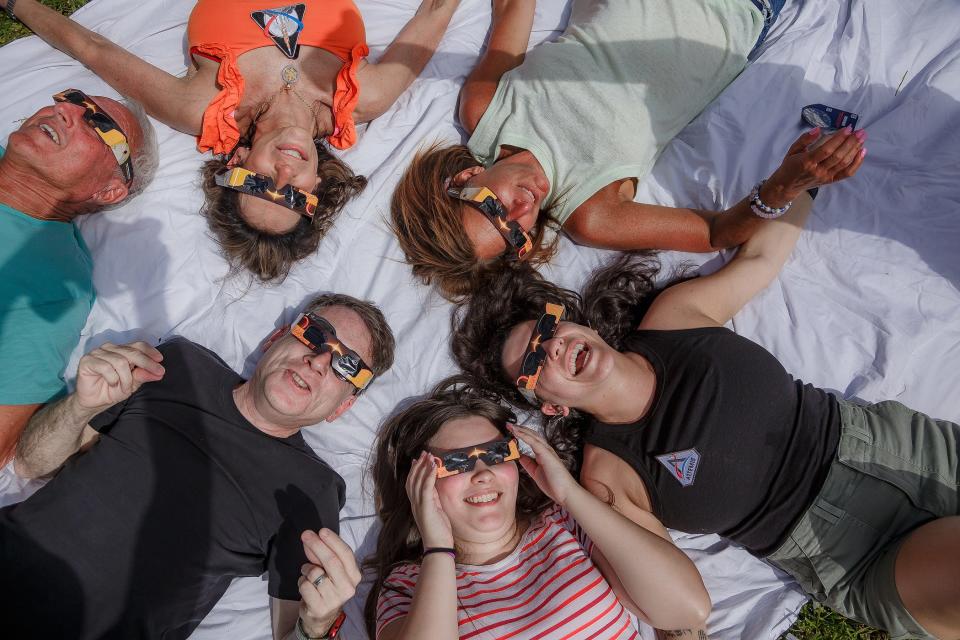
(282, 25)
(682, 465)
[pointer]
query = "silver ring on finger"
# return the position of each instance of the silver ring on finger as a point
(320, 580)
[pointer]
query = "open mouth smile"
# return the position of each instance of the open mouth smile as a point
(293, 152)
(483, 498)
(577, 358)
(51, 133)
(298, 381)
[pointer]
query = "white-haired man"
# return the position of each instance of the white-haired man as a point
(75, 157)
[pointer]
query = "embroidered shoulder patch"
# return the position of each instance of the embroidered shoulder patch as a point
(682, 465)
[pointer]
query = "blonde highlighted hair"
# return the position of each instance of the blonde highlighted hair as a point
(428, 223)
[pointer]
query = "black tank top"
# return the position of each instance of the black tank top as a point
(732, 444)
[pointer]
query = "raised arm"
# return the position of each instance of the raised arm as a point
(177, 102)
(610, 219)
(433, 611)
(107, 375)
(658, 582)
(327, 582)
(714, 299)
(382, 83)
(509, 38)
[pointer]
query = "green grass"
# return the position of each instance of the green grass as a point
(11, 30)
(815, 622)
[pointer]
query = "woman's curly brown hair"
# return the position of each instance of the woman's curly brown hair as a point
(269, 256)
(613, 302)
(428, 224)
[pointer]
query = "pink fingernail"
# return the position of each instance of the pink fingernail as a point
(863, 153)
(847, 129)
(861, 135)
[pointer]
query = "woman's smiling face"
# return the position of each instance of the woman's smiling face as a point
(577, 365)
(482, 503)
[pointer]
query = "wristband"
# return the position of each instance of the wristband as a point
(331, 633)
(763, 210)
(427, 551)
(9, 9)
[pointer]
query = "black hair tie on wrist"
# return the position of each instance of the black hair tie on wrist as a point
(429, 550)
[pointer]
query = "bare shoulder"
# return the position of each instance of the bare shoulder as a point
(611, 478)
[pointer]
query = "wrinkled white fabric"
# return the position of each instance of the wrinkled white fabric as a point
(867, 305)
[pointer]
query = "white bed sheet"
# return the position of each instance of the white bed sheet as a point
(866, 306)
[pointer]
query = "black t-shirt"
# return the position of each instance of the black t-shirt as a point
(732, 444)
(141, 535)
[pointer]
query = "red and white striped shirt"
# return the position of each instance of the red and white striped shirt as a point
(548, 587)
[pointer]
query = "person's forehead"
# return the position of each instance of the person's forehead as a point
(463, 432)
(351, 330)
(267, 217)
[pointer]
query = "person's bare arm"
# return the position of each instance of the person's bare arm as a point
(659, 582)
(615, 483)
(53, 435)
(177, 102)
(714, 299)
(433, 610)
(283, 618)
(382, 83)
(611, 220)
(13, 419)
(107, 375)
(509, 38)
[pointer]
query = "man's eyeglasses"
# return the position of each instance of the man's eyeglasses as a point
(463, 460)
(487, 203)
(319, 335)
(106, 127)
(532, 363)
(263, 187)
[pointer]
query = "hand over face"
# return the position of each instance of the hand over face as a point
(433, 523)
(112, 373)
(805, 167)
(547, 470)
(327, 581)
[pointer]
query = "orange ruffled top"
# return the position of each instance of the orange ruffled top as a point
(222, 30)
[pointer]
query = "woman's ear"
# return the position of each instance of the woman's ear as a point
(238, 157)
(554, 410)
(460, 179)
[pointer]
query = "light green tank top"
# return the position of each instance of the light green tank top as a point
(601, 102)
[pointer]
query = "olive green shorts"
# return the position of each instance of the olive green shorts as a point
(895, 470)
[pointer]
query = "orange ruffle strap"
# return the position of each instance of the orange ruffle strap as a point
(219, 130)
(345, 100)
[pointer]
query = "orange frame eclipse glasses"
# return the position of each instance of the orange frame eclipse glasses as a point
(487, 203)
(532, 364)
(320, 336)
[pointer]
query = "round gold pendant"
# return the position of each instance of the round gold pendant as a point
(290, 74)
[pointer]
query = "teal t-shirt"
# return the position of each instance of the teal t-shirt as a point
(46, 291)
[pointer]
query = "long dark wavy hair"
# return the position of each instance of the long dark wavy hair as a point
(402, 437)
(269, 256)
(613, 302)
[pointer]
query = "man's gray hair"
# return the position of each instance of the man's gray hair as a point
(146, 160)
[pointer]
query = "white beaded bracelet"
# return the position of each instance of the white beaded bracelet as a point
(764, 210)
